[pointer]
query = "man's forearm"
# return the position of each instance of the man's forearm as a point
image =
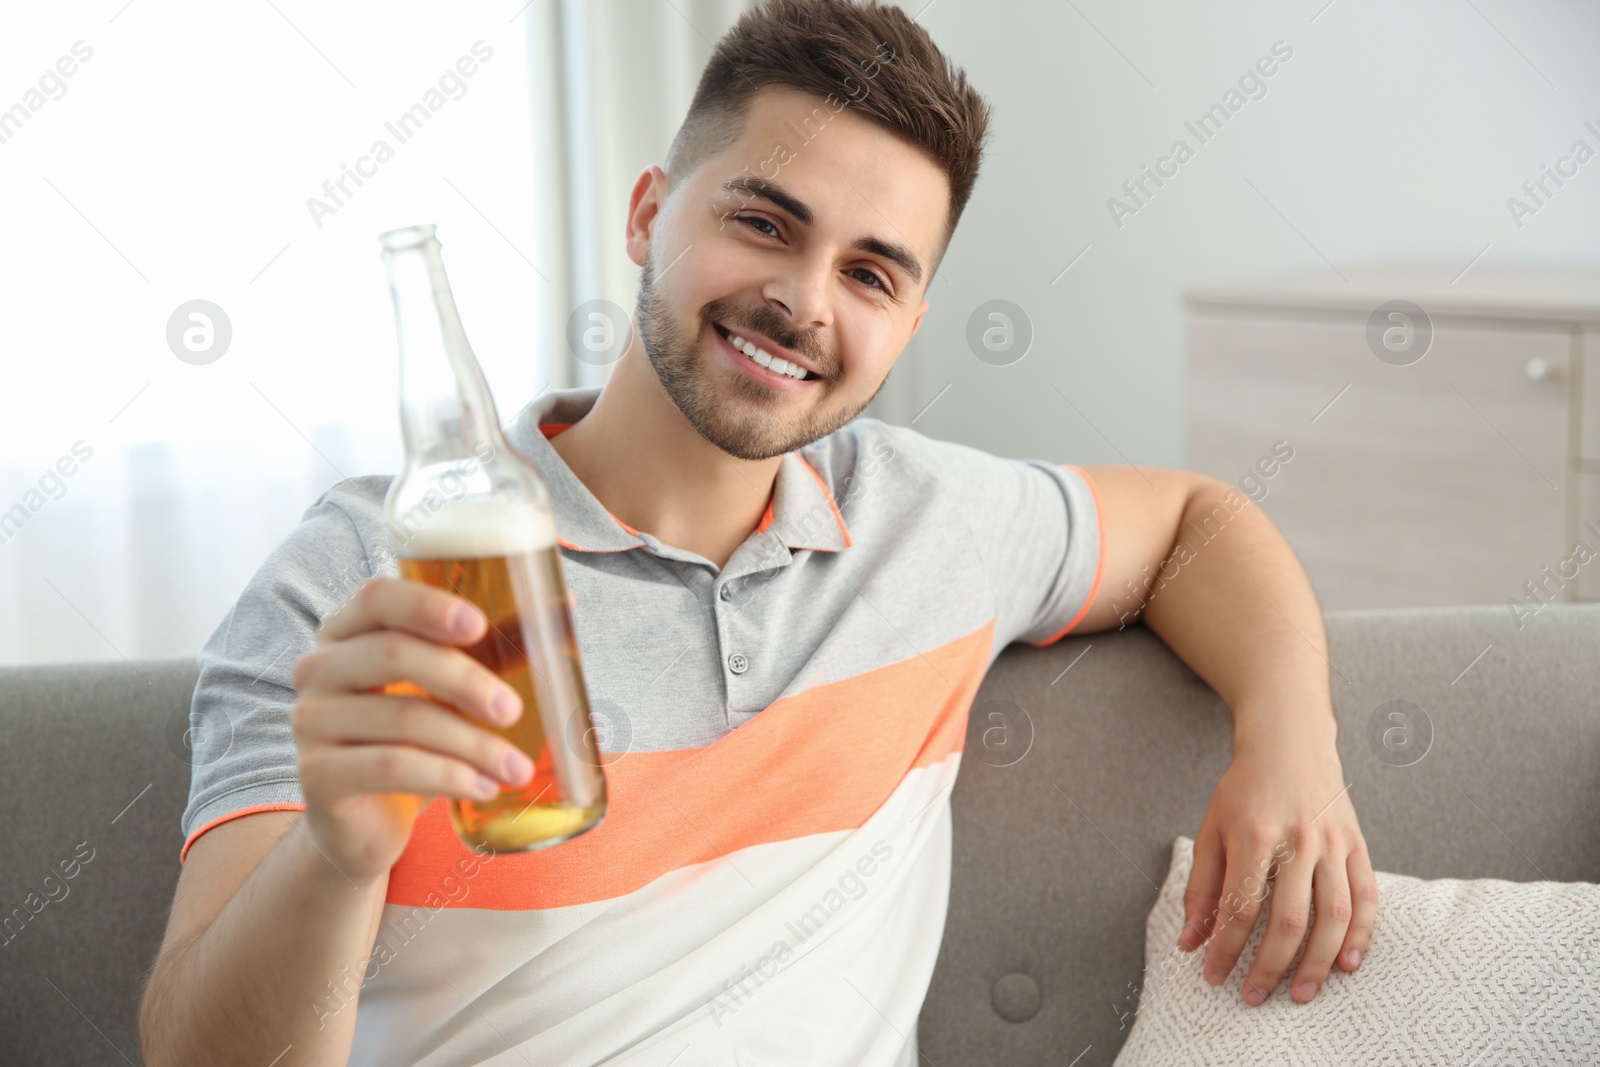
(1234, 603)
(255, 981)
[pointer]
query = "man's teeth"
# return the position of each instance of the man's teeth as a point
(771, 362)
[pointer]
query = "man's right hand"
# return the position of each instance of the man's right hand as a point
(369, 763)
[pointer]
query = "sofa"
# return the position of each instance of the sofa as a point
(1083, 762)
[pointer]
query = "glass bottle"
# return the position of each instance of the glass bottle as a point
(468, 513)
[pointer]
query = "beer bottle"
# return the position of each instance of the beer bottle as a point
(469, 514)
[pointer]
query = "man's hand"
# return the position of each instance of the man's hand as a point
(373, 753)
(1280, 814)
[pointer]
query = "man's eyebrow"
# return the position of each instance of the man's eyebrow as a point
(893, 251)
(774, 193)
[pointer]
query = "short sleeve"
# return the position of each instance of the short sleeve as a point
(1067, 564)
(242, 752)
(1038, 528)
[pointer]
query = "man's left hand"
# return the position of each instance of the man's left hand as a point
(1280, 815)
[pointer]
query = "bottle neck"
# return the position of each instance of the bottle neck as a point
(446, 410)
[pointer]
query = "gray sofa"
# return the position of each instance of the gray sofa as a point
(1065, 812)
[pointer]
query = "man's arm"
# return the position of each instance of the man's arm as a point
(274, 921)
(1205, 569)
(260, 925)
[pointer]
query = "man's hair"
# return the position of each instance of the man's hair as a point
(867, 56)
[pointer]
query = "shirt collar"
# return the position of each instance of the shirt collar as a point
(801, 512)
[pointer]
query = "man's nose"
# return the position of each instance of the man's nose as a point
(802, 293)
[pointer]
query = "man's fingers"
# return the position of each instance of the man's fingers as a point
(407, 720)
(367, 661)
(1364, 908)
(1332, 887)
(400, 604)
(1287, 921)
(1244, 888)
(1203, 892)
(332, 773)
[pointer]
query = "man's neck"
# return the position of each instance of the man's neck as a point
(651, 469)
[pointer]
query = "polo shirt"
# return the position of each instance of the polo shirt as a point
(780, 736)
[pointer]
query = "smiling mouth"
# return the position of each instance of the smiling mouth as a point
(755, 354)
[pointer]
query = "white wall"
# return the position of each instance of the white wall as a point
(1395, 132)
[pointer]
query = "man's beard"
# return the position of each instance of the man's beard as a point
(758, 426)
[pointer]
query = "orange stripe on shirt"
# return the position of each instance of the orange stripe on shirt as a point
(818, 762)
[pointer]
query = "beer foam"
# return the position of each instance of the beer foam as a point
(475, 529)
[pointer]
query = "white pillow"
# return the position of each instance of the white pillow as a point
(1483, 972)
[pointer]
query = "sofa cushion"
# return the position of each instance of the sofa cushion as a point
(1458, 971)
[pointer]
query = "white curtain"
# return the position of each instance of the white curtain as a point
(177, 162)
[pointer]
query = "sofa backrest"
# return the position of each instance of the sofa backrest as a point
(93, 766)
(1106, 747)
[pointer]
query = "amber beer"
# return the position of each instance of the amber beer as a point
(503, 557)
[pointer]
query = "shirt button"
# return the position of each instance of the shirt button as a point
(725, 593)
(737, 663)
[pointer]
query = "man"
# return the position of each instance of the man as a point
(783, 611)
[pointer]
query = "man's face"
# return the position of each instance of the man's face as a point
(823, 246)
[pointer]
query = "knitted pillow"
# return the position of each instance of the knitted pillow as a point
(1482, 972)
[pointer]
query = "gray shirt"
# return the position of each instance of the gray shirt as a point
(778, 726)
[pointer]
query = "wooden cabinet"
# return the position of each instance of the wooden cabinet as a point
(1456, 478)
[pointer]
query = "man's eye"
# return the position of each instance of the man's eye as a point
(754, 220)
(874, 276)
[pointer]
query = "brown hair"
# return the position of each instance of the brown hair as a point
(868, 54)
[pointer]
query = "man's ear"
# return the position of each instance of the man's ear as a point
(644, 209)
(917, 322)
